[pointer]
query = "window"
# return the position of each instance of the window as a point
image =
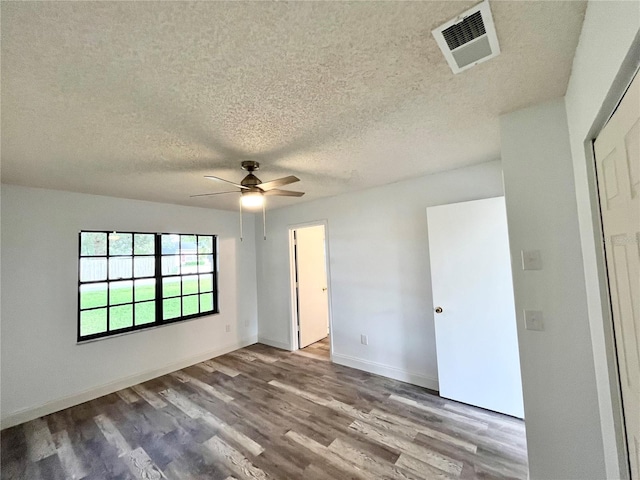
(129, 281)
(187, 275)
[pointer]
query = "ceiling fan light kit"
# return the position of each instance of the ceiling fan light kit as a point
(252, 199)
(253, 191)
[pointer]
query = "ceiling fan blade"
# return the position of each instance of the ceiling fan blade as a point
(211, 177)
(278, 183)
(209, 194)
(284, 193)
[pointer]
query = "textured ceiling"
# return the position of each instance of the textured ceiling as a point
(142, 99)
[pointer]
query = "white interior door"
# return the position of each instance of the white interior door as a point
(617, 152)
(476, 337)
(313, 305)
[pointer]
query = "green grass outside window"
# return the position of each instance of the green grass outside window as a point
(121, 314)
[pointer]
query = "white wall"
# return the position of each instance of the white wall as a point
(560, 398)
(42, 366)
(607, 33)
(379, 266)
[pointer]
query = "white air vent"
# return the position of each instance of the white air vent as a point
(468, 39)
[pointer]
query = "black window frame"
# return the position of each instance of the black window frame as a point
(157, 276)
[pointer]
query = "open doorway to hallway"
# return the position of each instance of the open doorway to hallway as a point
(310, 292)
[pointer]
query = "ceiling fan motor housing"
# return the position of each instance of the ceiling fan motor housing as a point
(250, 181)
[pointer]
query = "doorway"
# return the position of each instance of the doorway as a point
(310, 290)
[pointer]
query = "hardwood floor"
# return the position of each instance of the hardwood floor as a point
(263, 413)
(319, 350)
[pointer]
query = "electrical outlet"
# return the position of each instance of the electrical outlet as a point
(533, 320)
(364, 340)
(227, 328)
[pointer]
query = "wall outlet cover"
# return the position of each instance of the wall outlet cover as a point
(533, 320)
(531, 260)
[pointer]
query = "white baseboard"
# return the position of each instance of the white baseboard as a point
(386, 371)
(32, 413)
(274, 343)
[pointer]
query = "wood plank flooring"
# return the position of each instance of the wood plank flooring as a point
(319, 350)
(263, 413)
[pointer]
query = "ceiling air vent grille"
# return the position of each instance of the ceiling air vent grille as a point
(468, 29)
(468, 39)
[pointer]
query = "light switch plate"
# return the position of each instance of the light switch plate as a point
(531, 260)
(533, 320)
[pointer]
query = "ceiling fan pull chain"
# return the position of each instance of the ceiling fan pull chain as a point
(240, 220)
(264, 221)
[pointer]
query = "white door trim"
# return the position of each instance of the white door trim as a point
(293, 333)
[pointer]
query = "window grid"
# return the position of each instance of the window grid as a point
(133, 307)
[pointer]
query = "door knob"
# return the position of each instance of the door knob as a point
(324, 289)
(438, 309)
